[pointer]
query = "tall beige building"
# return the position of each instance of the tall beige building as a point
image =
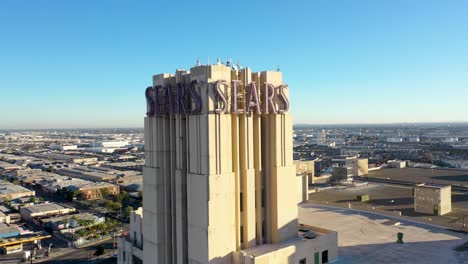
(219, 181)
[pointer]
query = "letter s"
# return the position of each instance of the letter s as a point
(283, 98)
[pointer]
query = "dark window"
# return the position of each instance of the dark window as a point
(325, 256)
(123, 256)
(242, 234)
(136, 260)
(241, 202)
(303, 261)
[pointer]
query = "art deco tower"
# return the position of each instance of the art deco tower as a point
(219, 176)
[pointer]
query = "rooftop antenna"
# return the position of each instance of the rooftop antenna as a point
(238, 65)
(208, 60)
(228, 63)
(198, 62)
(218, 61)
(278, 68)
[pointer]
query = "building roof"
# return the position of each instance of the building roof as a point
(7, 188)
(433, 185)
(44, 207)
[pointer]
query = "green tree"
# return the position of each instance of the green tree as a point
(6, 202)
(116, 206)
(81, 233)
(128, 210)
(32, 199)
(105, 192)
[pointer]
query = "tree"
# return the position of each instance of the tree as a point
(105, 192)
(6, 202)
(32, 199)
(116, 206)
(99, 250)
(128, 210)
(81, 233)
(140, 194)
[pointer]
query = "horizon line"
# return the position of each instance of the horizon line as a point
(294, 124)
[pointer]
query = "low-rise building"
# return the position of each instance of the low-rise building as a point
(45, 209)
(89, 173)
(435, 199)
(5, 166)
(399, 164)
(7, 231)
(70, 221)
(12, 191)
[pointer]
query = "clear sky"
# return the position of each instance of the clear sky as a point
(86, 63)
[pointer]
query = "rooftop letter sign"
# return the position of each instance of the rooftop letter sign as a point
(230, 98)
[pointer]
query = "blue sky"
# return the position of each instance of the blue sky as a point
(86, 63)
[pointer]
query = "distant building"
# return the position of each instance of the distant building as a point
(435, 199)
(44, 209)
(12, 191)
(399, 164)
(306, 167)
(90, 173)
(110, 144)
(64, 147)
(5, 166)
(7, 231)
(346, 168)
(394, 140)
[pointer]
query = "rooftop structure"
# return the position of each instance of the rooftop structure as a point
(12, 191)
(433, 198)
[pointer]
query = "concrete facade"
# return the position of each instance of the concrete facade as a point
(306, 167)
(433, 199)
(221, 181)
(131, 245)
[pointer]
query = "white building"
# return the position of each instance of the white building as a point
(131, 244)
(394, 140)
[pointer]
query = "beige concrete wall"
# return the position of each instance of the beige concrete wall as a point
(295, 251)
(362, 167)
(425, 198)
(446, 200)
(306, 167)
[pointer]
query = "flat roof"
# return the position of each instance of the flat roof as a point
(433, 185)
(9, 188)
(44, 207)
(420, 175)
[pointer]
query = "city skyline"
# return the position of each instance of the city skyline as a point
(356, 63)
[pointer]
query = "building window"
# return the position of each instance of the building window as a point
(303, 261)
(241, 202)
(242, 234)
(325, 256)
(123, 255)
